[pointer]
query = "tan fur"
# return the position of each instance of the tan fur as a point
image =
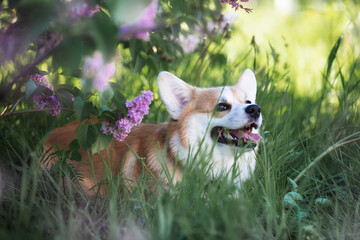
(146, 140)
(191, 110)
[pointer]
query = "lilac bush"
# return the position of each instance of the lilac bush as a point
(77, 40)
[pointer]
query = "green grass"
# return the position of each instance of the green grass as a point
(297, 129)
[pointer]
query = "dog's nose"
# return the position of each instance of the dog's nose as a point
(253, 110)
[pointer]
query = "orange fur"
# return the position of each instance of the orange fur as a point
(145, 140)
(149, 146)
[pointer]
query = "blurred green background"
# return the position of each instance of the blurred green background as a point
(306, 57)
(301, 33)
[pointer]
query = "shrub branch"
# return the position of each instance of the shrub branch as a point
(34, 110)
(28, 68)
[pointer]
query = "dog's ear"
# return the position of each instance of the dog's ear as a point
(174, 92)
(247, 84)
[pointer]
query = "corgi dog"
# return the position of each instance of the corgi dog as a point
(220, 122)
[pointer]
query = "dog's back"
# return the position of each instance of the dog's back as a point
(138, 154)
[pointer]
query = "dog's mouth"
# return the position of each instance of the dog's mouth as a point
(242, 137)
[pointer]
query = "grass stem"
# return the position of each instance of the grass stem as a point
(321, 156)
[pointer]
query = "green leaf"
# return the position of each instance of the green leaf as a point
(68, 55)
(101, 142)
(119, 99)
(64, 94)
(136, 46)
(154, 63)
(332, 56)
(43, 73)
(78, 106)
(301, 214)
(218, 60)
(106, 96)
(87, 135)
(274, 54)
(103, 33)
(31, 89)
(66, 154)
(75, 156)
(323, 202)
(87, 85)
(77, 92)
(294, 187)
(140, 62)
(296, 196)
(291, 198)
(82, 109)
(74, 145)
(104, 108)
(107, 114)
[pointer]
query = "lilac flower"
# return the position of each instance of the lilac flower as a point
(124, 125)
(107, 129)
(93, 64)
(188, 43)
(229, 18)
(41, 81)
(93, 10)
(54, 103)
(101, 80)
(235, 4)
(141, 28)
(137, 108)
(224, 23)
(119, 136)
(96, 70)
(42, 99)
(83, 9)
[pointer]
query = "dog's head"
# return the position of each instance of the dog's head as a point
(227, 115)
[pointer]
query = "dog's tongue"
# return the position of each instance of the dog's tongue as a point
(246, 135)
(251, 136)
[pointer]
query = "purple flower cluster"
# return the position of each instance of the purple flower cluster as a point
(235, 4)
(42, 99)
(141, 28)
(83, 9)
(137, 108)
(40, 80)
(188, 43)
(98, 71)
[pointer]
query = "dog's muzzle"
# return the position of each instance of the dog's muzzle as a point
(253, 110)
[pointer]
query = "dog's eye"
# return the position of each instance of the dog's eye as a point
(223, 107)
(248, 102)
